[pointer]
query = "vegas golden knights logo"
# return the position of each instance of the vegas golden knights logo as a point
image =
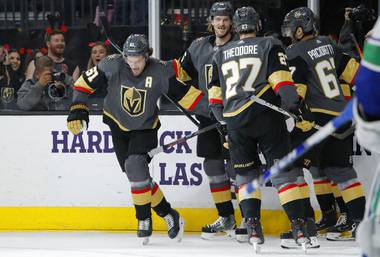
(133, 100)
(7, 94)
(208, 73)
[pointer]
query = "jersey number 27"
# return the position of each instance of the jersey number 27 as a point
(232, 72)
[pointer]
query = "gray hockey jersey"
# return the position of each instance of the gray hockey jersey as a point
(196, 63)
(243, 68)
(131, 102)
(317, 67)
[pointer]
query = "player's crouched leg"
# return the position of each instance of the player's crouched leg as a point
(251, 206)
(291, 200)
(147, 194)
(221, 192)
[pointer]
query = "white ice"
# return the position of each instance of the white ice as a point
(109, 244)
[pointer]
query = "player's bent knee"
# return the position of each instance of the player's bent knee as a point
(246, 178)
(214, 167)
(340, 174)
(137, 168)
(284, 178)
(317, 173)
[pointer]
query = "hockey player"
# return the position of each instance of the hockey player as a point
(256, 65)
(367, 116)
(195, 64)
(316, 66)
(134, 83)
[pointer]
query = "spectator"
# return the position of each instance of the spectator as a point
(357, 22)
(15, 70)
(55, 42)
(4, 77)
(46, 90)
(3, 72)
(16, 78)
(99, 51)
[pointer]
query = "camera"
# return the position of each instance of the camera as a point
(56, 90)
(58, 76)
(362, 14)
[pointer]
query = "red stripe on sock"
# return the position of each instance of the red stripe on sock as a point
(155, 188)
(140, 191)
(214, 190)
(288, 187)
(353, 185)
(322, 182)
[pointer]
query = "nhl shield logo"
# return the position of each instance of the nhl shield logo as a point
(7, 94)
(133, 100)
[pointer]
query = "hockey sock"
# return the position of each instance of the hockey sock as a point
(338, 198)
(325, 197)
(305, 194)
(159, 203)
(353, 196)
(221, 193)
(291, 200)
(141, 198)
(250, 205)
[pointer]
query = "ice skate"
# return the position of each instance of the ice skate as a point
(288, 242)
(241, 233)
(344, 230)
(299, 233)
(255, 233)
(222, 226)
(175, 225)
(144, 230)
(328, 220)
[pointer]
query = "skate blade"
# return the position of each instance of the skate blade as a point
(304, 247)
(145, 240)
(344, 236)
(256, 247)
(228, 234)
(242, 238)
(291, 244)
(255, 240)
(181, 230)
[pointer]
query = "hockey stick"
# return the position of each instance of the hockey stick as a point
(316, 138)
(291, 115)
(356, 45)
(160, 149)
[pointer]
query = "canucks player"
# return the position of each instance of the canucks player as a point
(367, 116)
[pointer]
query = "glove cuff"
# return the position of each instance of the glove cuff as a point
(79, 106)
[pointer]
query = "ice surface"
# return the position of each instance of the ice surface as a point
(110, 244)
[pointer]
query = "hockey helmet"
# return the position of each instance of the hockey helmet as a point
(246, 19)
(221, 9)
(135, 45)
(300, 17)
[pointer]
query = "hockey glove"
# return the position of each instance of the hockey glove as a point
(222, 129)
(305, 119)
(78, 118)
